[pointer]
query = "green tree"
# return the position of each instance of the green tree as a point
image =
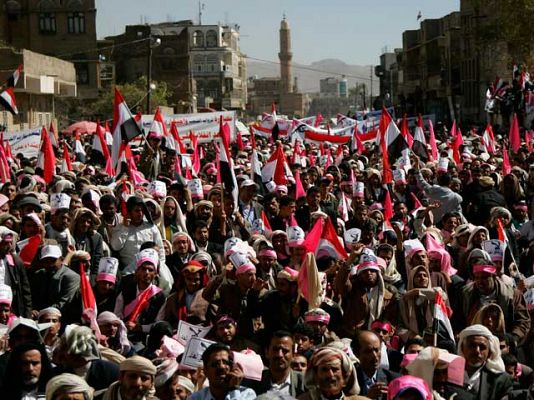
(69, 110)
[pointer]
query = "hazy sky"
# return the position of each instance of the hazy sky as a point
(354, 31)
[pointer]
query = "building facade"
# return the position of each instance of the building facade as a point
(42, 81)
(329, 87)
(428, 77)
(62, 28)
(218, 66)
(170, 59)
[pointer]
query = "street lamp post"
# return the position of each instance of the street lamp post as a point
(151, 43)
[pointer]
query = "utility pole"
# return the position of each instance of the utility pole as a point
(201, 6)
(371, 91)
(149, 72)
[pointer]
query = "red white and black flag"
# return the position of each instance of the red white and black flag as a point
(391, 135)
(7, 97)
(419, 141)
(125, 127)
(226, 168)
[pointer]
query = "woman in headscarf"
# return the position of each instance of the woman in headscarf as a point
(375, 192)
(331, 375)
(115, 333)
(173, 219)
(476, 237)
(66, 386)
(156, 214)
(492, 317)
(417, 304)
(84, 227)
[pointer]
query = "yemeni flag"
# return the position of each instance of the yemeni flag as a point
(392, 144)
(5, 174)
(226, 167)
(275, 132)
(405, 131)
(46, 159)
(196, 154)
(66, 164)
(489, 140)
(432, 139)
(100, 147)
(457, 141)
(506, 166)
(419, 140)
(7, 97)
(299, 188)
(158, 127)
(89, 310)
(513, 136)
(442, 313)
(330, 242)
(273, 170)
(53, 136)
(255, 166)
(125, 127)
(357, 144)
(28, 249)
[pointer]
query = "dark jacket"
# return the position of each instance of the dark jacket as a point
(20, 286)
(483, 202)
(510, 300)
(100, 376)
(382, 375)
(303, 215)
(493, 385)
(296, 387)
(93, 244)
(57, 290)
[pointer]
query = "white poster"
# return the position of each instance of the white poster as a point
(25, 142)
(204, 125)
(192, 357)
(186, 331)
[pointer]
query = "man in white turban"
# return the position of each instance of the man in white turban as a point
(68, 384)
(485, 375)
(331, 374)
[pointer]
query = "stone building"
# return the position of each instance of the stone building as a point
(218, 67)
(43, 80)
(62, 28)
(170, 59)
(429, 68)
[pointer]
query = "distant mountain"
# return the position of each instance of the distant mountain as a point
(309, 75)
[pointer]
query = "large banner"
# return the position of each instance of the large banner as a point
(25, 142)
(204, 125)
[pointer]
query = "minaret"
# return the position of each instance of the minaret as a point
(285, 56)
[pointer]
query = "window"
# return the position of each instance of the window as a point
(82, 68)
(198, 39)
(76, 22)
(211, 39)
(47, 23)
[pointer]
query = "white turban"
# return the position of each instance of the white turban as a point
(328, 354)
(107, 317)
(494, 362)
(165, 371)
(68, 383)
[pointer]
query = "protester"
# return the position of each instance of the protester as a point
(348, 261)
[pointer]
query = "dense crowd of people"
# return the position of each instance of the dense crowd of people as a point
(431, 297)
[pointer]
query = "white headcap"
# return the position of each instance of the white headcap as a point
(295, 236)
(107, 269)
(157, 189)
(195, 187)
(59, 201)
(6, 295)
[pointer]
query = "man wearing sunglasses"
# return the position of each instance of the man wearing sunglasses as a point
(223, 375)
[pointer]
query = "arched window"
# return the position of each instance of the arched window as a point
(198, 39)
(211, 39)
